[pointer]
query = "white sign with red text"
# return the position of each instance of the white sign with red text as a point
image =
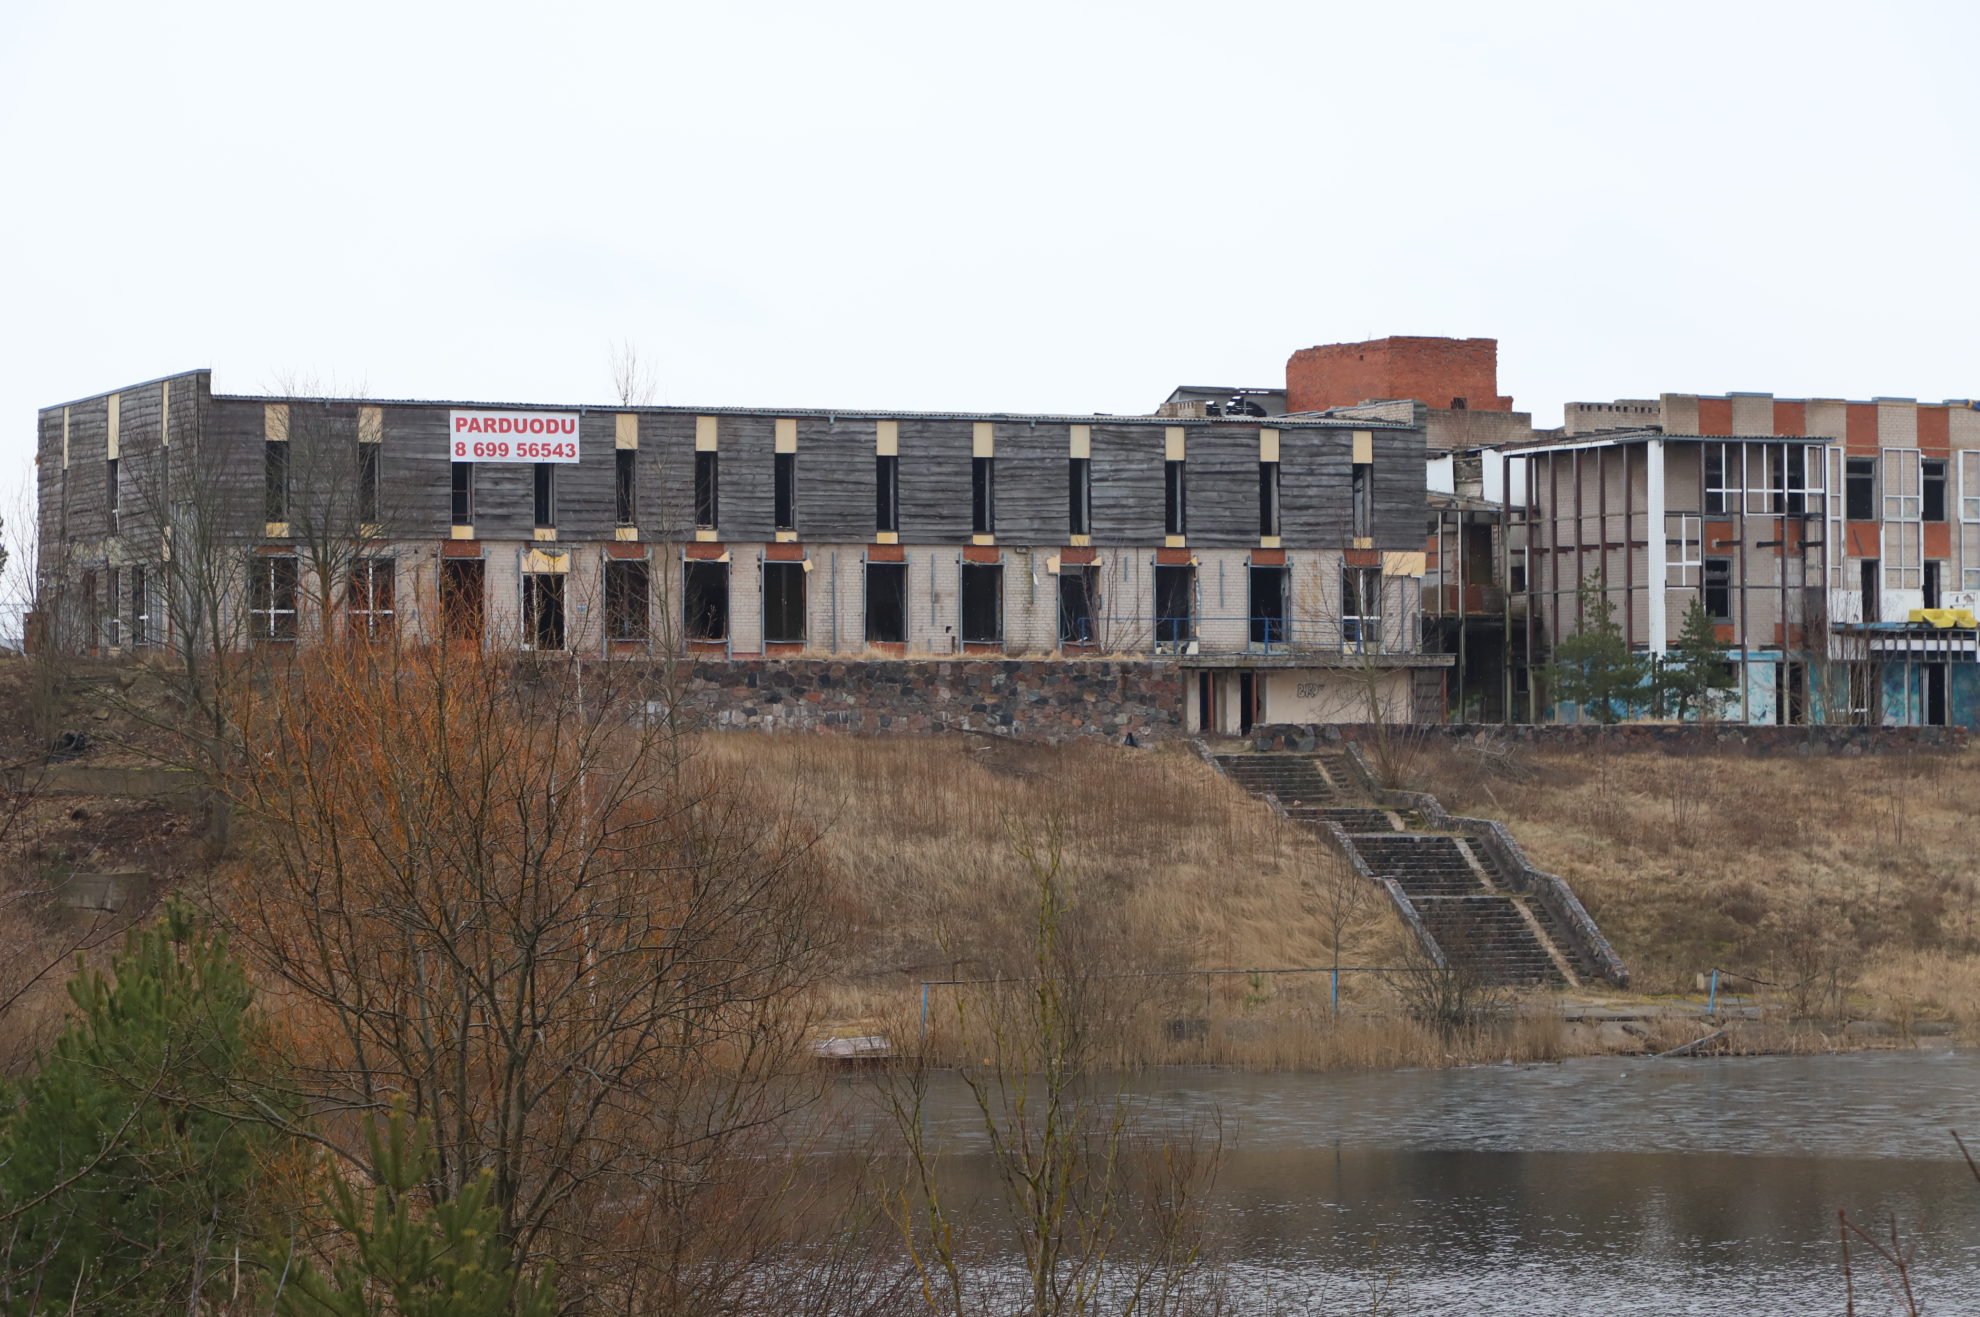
(512, 436)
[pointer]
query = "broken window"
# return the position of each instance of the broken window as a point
(707, 489)
(1860, 488)
(1268, 605)
(1870, 580)
(1719, 589)
(113, 634)
(543, 610)
(886, 493)
(463, 474)
(461, 598)
(1933, 489)
(886, 602)
(1077, 598)
(1934, 571)
(272, 597)
(546, 496)
(91, 608)
(625, 486)
(1079, 496)
(114, 485)
(275, 479)
(1364, 500)
(983, 495)
(140, 609)
(705, 600)
(626, 596)
(367, 475)
(1175, 605)
(1719, 492)
(1268, 499)
(371, 597)
(1175, 498)
(1794, 464)
(783, 601)
(786, 491)
(1361, 608)
(982, 600)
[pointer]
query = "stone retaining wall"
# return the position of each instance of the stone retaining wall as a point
(1058, 701)
(1666, 738)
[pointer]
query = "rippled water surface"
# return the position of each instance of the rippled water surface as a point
(1600, 1186)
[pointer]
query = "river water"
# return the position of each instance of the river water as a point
(1598, 1186)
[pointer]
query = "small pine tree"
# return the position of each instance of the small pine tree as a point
(1695, 669)
(1594, 667)
(124, 1167)
(450, 1261)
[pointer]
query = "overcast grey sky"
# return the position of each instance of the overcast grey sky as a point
(1070, 207)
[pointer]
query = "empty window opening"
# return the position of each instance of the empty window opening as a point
(786, 491)
(272, 597)
(705, 600)
(1457, 404)
(627, 596)
(1934, 572)
(982, 600)
(1718, 494)
(707, 490)
(1364, 500)
(1175, 498)
(546, 495)
(140, 609)
(1175, 605)
(367, 474)
(1933, 680)
(783, 601)
(92, 613)
(114, 484)
(113, 634)
(1933, 475)
(1079, 496)
(543, 610)
(886, 602)
(275, 470)
(887, 493)
(1860, 488)
(1718, 596)
(371, 596)
(983, 495)
(1268, 499)
(462, 581)
(1077, 598)
(1868, 580)
(1268, 605)
(463, 474)
(1794, 460)
(1361, 607)
(625, 486)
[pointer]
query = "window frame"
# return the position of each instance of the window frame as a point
(784, 491)
(364, 616)
(543, 495)
(887, 493)
(788, 571)
(1720, 565)
(273, 612)
(460, 492)
(983, 495)
(628, 605)
(707, 489)
(1269, 509)
(896, 574)
(693, 593)
(1175, 498)
(1079, 496)
(625, 487)
(1361, 628)
(977, 573)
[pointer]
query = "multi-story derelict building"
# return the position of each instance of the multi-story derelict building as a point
(1277, 560)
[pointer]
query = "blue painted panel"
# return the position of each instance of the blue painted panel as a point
(1963, 695)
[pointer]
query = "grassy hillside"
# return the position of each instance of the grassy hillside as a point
(1850, 881)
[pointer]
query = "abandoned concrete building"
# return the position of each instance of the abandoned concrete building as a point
(1836, 544)
(1274, 564)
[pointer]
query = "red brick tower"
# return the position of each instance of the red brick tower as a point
(1441, 372)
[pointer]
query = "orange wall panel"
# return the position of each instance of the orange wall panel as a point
(1715, 416)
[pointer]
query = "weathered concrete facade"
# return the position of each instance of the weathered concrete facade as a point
(737, 534)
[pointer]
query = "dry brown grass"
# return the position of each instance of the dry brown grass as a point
(1171, 866)
(1849, 881)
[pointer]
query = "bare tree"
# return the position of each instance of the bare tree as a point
(635, 381)
(575, 950)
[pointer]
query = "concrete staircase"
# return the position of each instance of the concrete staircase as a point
(1462, 902)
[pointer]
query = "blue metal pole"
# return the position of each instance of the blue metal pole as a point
(1712, 1007)
(1336, 975)
(924, 1014)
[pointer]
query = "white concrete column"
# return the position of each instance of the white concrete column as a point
(1660, 553)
